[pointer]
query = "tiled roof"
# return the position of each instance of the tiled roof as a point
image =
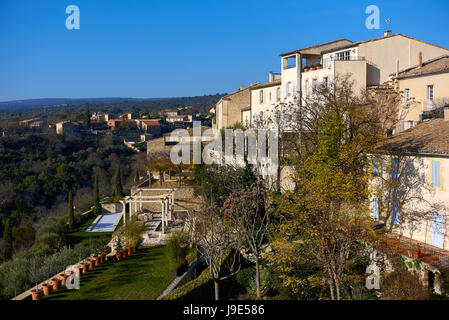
(430, 137)
(430, 66)
(268, 84)
(151, 122)
(317, 46)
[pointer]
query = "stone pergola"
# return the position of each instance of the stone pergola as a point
(137, 199)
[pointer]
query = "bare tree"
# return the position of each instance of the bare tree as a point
(217, 238)
(251, 208)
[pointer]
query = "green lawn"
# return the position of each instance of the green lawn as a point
(79, 235)
(141, 276)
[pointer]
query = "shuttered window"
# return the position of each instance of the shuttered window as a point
(395, 168)
(395, 212)
(375, 208)
(435, 173)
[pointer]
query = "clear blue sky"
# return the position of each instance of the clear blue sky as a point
(151, 48)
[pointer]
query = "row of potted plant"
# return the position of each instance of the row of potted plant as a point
(120, 255)
(313, 67)
(60, 280)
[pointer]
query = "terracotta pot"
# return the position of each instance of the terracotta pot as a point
(103, 257)
(118, 255)
(124, 254)
(56, 283)
(47, 289)
(36, 294)
(84, 267)
(130, 250)
(96, 262)
(99, 258)
(91, 263)
(63, 277)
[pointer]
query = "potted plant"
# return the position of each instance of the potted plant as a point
(47, 288)
(91, 263)
(36, 294)
(63, 276)
(84, 267)
(99, 256)
(56, 283)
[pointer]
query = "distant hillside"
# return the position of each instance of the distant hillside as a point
(51, 102)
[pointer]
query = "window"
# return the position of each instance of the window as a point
(314, 83)
(430, 93)
(435, 173)
(395, 168)
(269, 96)
(395, 212)
(278, 94)
(261, 96)
(406, 97)
(409, 124)
(289, 88)
(306, 87)
(375, 208)
(326, 82)
(344, 55)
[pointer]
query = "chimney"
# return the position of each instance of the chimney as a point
(242, 87)
(446, 113)
(271, 77)
(387, 33)
(420, 59)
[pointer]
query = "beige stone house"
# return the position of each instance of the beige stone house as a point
(370, 62)
(264, 98)
(228, 110)
(424, 87)
(412, 170)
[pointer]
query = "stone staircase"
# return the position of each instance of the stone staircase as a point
(152, 235)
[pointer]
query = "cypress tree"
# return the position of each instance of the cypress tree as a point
(7, 237)
(118, 190)
(71, 218)
(87, 119)
(96, 210)
(136, 176)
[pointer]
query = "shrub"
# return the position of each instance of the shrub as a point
(404, 286)
(178, 246)
(246, 276)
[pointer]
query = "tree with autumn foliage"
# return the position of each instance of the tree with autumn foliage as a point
(326, 218)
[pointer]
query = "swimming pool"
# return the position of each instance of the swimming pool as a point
(106, 222)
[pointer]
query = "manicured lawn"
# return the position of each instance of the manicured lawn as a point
(79, 235)
(141, 276)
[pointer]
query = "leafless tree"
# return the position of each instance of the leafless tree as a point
(216, 235)
(251, 208)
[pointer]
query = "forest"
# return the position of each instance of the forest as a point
(38, 171)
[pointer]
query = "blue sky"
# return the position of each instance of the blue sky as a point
(145, 49)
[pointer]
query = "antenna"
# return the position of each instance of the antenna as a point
(387, 21)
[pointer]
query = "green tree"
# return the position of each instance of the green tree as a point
(118, 189)
(87, 124)
(71, 213)
(136, 176)
(96, 210)
(7, 237)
